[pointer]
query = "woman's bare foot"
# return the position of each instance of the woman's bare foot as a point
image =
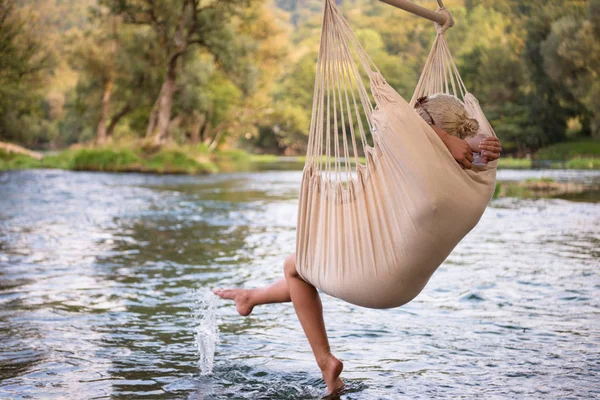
(331, 370)
(242, 298)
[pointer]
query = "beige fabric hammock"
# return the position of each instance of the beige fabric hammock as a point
(372, 233)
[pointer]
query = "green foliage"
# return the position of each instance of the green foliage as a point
(105, 159)
(24, 64)
(296, 86)
(550, 103)
(244, 71)
(571, 59)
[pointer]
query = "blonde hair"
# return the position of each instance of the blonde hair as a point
(447, 112)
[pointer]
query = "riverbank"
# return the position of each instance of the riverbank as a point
(197, 159)
(547, 187)
(163, 160)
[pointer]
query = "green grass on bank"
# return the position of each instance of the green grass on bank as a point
(526, 163)
(166, 160)
(566, 151)
(576, 154)
(62, 160)
(105, 159)
(142, 157)
(173, 161)
(264, 158)
(235, 155)
(539, 180)
(514, 163)
(16, 161)
(584, 163)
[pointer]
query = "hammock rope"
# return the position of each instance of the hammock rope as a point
(440, 75)
(373, 232)
(440, 72)
(333, 106)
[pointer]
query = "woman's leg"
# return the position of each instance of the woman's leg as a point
(247, 299)
(309, 309)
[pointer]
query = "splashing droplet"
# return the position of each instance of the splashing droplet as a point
(206, 330)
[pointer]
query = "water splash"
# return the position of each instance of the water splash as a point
(206, 330)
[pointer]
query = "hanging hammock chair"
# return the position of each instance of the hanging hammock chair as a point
(373, 232)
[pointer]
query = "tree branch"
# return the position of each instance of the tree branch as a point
(115, 119)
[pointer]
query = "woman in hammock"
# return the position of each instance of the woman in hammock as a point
(450, 121)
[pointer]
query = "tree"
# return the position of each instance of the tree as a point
(95, 55)
(176, 27)
(214, 104)
(24, 63)
(572, 59)
(550, 104)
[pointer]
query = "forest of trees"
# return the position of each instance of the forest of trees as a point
(240, 73)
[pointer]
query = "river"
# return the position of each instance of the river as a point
(105, 278)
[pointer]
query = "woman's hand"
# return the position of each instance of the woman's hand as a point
(490, 149)
(459, 148)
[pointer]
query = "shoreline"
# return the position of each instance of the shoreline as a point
(528, 188)
(176, 161)
(196, 160)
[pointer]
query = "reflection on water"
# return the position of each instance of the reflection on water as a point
(99, 272)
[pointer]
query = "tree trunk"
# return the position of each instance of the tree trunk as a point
(101, 128)
(205, 130)
(215, 141)
(115, 119)
(163, 108)
(196, 126)
(152, 120)
(218, 131)
(174, 124)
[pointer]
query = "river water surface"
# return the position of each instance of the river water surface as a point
(105, 278)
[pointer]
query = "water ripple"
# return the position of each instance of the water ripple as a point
(100, 276)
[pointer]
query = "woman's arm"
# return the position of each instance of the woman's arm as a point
(459, 148)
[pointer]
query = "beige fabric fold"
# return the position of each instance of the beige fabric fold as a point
(373, 234)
